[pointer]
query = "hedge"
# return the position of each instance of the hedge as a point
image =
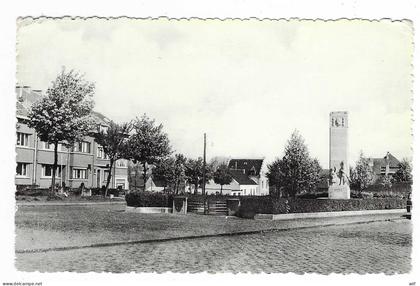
(32, 192)
(251, 205)
(36, 192)
(148, 199)
(268, 205)
(397, 190)
(101, 192)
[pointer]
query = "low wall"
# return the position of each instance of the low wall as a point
(148, 210)
(328, 214)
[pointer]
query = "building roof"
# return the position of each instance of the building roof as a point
(378, 163)
(99, 117)
(325, 173)
(159, 183)
(241, 177)
(249, 165)
(25, 97)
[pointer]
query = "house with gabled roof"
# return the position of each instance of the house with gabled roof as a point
(154, 185)
(248, 179)
(254, 169)
(384, 166)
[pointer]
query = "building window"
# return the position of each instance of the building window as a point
(100, 152)
(120, 183)
(83, 147)
(121, 163)
(106, 172)
(48, 146)
(79, 173)
(102, 128)
(22, 139)
(22, 169)
(47, 171)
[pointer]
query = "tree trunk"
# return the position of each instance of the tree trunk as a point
(54, 168)
(108, 179)
(221, 189)
(196, 186)
(144, 176)
(135, 176)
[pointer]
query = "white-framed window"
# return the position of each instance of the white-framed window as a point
(22, 139)
(120, 182)
(48, 146)
(102, 128)
(79, 173)
(100, 152)
(47, 171)
(83, 147)
(22, 169)
(122, 163)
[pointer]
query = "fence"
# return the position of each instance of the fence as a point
(208, 205)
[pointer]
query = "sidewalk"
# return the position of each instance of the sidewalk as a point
(108, 225)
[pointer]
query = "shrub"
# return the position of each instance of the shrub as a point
(267, 205)
(26, 187)
(257, 204)
(98, 192)
(398, 190)
(116, 192)
(313, 195)
(148, 199)
(33, 192)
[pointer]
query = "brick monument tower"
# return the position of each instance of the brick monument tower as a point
(339, 168)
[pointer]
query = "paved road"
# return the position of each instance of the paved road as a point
(362, 248)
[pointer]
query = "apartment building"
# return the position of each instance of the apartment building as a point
(85, 162)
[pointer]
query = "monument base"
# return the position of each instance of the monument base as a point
(339, 192)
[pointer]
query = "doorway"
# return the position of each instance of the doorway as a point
(98, 178)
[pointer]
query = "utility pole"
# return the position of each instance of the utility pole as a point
(204, 166)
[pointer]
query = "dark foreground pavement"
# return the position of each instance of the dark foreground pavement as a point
(356, 248)
(105, 238)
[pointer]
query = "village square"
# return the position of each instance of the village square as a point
(181, 147)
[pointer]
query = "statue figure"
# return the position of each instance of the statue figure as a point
(333, 177)
(341, 174)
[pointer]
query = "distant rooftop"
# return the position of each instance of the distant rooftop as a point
(251, 166)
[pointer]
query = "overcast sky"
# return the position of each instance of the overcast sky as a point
(247, 84)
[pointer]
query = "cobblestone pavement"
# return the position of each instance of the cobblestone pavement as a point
(362, 248)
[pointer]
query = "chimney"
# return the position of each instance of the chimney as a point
(19, 90)
(387, 164)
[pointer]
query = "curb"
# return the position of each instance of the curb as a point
(145, 241)
(70, 204)
(290, 216)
